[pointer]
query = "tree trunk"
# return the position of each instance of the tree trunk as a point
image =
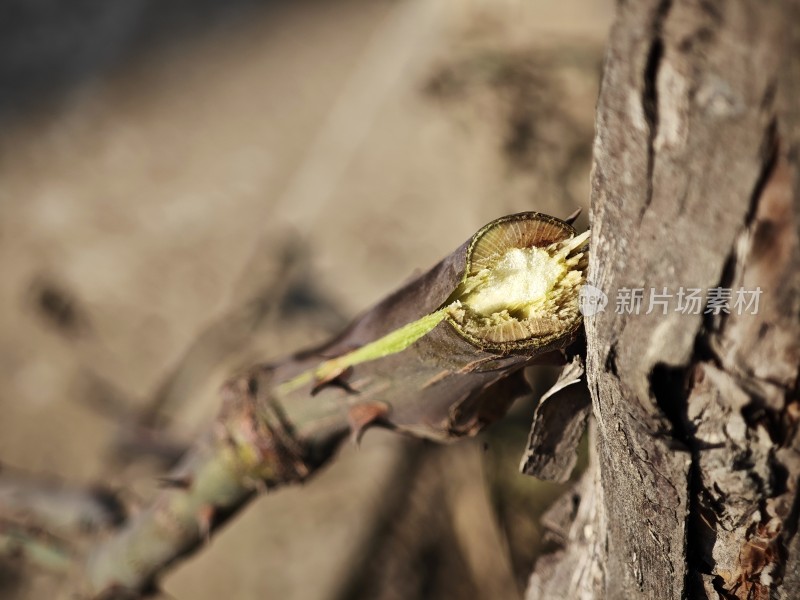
(693, 487)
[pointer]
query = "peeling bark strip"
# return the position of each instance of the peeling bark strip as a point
(396, 366)
(558, 425)
(696, 184)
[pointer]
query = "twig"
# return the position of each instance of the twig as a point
(55, 506)
(434, 359)
(35, 547)
(395, 366)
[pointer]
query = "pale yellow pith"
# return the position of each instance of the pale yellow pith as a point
(527, 283)
(518, 283)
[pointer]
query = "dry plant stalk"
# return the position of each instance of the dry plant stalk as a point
(439, 358)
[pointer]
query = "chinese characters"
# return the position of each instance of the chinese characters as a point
(688, 301)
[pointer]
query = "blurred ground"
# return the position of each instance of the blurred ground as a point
(323, 150)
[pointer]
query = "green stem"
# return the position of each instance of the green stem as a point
(34, 547)
(392, 343)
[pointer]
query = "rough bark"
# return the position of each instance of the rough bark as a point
(695, 185)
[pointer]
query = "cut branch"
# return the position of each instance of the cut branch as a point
(441, 358)
(35, 547)
(55, 506)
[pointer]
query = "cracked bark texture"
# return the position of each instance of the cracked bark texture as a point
(695, 185)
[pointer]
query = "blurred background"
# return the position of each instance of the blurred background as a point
(187, 188)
